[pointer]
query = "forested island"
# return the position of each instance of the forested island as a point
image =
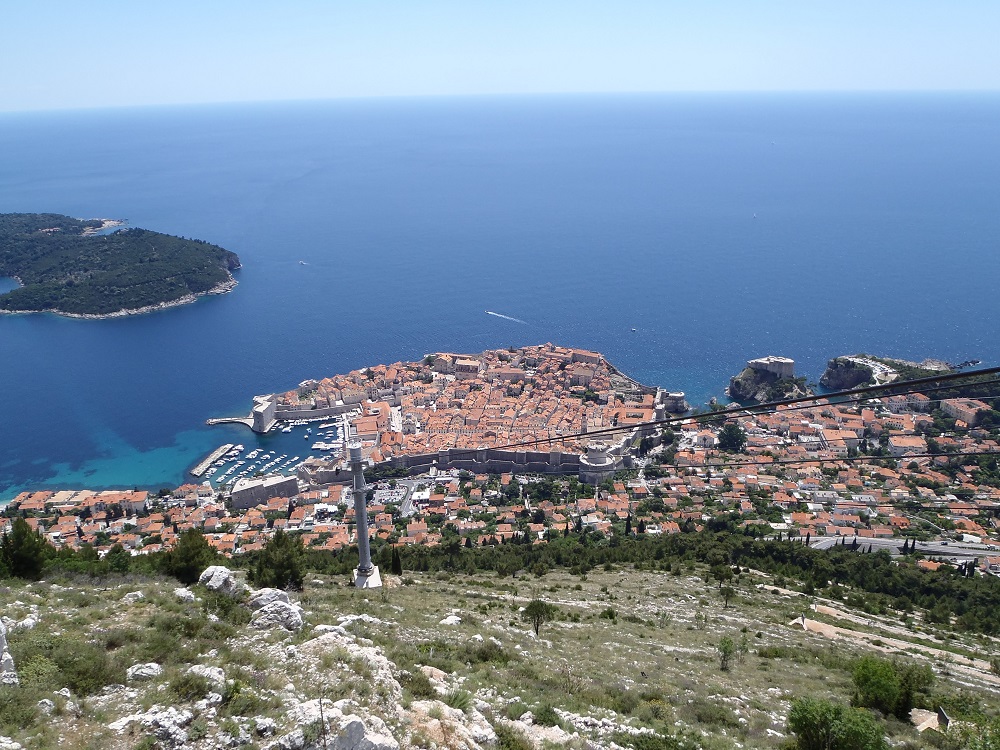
(65, 266)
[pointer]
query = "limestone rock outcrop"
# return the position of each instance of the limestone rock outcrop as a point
(262, 597)
(329, 727)
(142, 672)
(278, 614)
(165, 724)
(222, 580)
(8, 674)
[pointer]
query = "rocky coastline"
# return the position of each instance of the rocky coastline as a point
(223, 288)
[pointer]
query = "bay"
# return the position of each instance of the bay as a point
(720, 227)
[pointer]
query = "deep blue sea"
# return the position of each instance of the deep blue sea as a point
(720, 227)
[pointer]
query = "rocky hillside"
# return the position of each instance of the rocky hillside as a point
(844, 373)
(622, 659)
(760, 386)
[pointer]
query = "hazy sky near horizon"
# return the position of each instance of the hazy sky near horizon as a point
(58, 54)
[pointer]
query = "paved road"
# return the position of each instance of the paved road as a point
(950, 550)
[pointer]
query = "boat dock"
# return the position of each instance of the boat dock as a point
(248, 421)
(211, 458)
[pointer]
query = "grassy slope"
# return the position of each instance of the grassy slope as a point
(666, 626)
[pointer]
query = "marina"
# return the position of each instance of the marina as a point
(268, 455)
(212, 457)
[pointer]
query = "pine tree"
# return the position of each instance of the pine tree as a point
(190, 557)
(396, 566)
(23, 551)
(628, 525)
(279, 564)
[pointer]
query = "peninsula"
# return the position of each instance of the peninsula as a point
(68, 267)
(451, 409)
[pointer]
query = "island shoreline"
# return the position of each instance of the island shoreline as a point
(223, 288)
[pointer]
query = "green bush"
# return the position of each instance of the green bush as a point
(239, 700)
(515, 710)
(81, 666)
(488, 652)
(460, 699)
(654, 741)
(893, 688)
(418, 684)
(713, 714)
(190, 687)
(546, 715)
(823, 725)
(511, 739)
(18, 708)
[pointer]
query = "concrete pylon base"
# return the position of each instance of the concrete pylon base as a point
(370, 581)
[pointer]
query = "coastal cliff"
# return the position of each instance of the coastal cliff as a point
(857, 370)
(844, 373)
(761, 385)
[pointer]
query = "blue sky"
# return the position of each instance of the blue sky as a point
(70, 53)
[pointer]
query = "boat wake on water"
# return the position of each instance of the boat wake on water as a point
(506, 317)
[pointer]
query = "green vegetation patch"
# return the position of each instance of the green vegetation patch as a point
(64, 267)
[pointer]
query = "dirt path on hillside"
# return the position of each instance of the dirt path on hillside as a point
(973, 668)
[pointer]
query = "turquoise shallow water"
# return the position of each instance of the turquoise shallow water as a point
(721, 227)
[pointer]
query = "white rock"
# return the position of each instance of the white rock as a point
(64, 692)
(339, 629)
(46, 706)
(309, 712)
(354, 735)
(221, 579)
(477, 638)
(263, 597)
(8, 675)
(437, 677)
(166, 724)
(6, 743)
(132, 597)
(264, 726)
(215, 675)
(185, 595)
(451, 620)
(209, 701)
(147, 671)
(27, 623)
(389, 693)
(469, 730)
(278, 614)
(347, 620)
